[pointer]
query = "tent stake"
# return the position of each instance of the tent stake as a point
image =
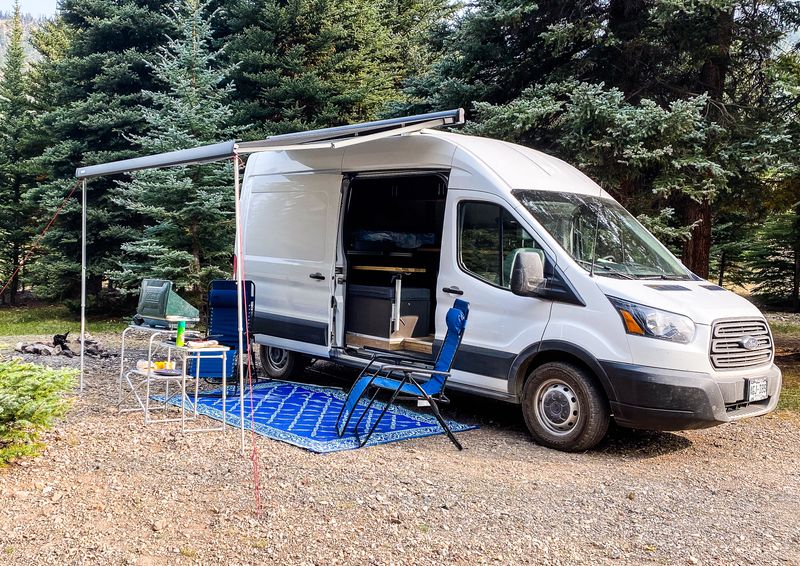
(83, 278)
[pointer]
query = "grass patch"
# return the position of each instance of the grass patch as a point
(790, 394)
(785, 329)
(49, 320)
(787, 341)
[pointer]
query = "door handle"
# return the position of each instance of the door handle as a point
(318, 276)
(453, 290)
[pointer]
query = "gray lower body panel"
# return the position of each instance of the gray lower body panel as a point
(662, 399)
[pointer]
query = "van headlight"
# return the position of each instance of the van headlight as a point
(642, 320)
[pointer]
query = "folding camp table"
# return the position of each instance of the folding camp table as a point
(137, 379)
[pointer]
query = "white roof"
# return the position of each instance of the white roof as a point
(476, 163)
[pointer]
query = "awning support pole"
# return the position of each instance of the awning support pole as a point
(83, 279)
(239, 301)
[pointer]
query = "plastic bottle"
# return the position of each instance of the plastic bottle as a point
(179, 336)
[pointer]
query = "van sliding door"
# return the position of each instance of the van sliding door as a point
(290, 251)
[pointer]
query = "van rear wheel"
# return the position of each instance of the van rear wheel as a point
(281, 364)
(564, 408)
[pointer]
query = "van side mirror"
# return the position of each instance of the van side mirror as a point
(527, 275)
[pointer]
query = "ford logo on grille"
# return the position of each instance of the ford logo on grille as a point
(748, 342)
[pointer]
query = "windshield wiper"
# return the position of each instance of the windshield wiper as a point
(609, 270)
(663, 277)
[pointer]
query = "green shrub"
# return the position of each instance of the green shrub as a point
(31, 396)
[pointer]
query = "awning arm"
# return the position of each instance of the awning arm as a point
(340, 142)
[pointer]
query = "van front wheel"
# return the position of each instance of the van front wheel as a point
(564, 408)
(281, 364)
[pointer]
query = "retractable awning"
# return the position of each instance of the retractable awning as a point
(339, 136)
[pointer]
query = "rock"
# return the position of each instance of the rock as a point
(37, 349)
(44, 350)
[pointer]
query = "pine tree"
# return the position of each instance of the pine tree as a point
(304, 64)
(15, 123)
(95, 63)
(774, 258)
(186, 212)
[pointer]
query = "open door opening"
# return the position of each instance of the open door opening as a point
(392, 241)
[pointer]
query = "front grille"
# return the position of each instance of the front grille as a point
(727, 351)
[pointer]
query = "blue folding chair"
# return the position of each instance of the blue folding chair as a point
(431, 390)
(223, 326)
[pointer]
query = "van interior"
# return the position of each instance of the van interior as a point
(392, 241)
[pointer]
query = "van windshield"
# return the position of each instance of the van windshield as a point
(624, 248)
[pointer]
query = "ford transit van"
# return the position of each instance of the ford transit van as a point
(577, 313)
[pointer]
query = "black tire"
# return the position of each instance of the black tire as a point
(564, 408)
(278, 363)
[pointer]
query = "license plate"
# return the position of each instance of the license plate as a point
(757, 389)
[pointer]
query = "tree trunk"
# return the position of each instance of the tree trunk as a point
(796, 247)
(722, 266)
(15, 249)
(14, 287)
(796, 283)
(195, 258)
(626, 20)
(718, 58)
(697, 248)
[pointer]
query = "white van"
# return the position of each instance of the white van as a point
(576, 311)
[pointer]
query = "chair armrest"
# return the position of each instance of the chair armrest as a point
(412, 369)
(379, 355)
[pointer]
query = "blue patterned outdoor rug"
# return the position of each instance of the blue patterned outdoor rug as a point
(305, 416)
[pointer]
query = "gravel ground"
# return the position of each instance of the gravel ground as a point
(109, 490)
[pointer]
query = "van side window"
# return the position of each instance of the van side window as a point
(489, 240)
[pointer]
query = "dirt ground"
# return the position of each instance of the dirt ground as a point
(110, 490)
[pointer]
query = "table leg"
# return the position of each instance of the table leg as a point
(196, 381)
(147, 398)
(398, 296)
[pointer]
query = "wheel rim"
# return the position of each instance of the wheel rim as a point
(277, 358)
(556, 407)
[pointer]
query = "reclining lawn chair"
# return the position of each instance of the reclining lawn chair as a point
(430, 390)
(223, 326)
